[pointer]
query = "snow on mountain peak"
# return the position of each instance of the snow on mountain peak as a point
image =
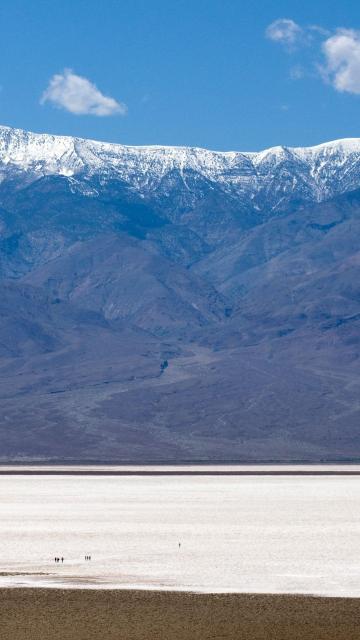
(327, 168)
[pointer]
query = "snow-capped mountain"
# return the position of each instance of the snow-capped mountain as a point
(178, 303)
(278, 175)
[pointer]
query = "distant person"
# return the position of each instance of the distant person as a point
(179, 545)
(62, 559)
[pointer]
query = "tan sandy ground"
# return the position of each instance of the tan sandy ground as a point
(79, 614)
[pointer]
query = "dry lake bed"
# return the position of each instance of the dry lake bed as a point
(206, 533)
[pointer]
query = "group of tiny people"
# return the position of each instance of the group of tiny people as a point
(62, 559)
(87, 558)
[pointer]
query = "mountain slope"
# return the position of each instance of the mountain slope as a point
(178, 304)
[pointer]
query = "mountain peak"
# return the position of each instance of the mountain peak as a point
(319, 171)
(343, 144)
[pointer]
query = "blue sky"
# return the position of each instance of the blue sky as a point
(217, 74)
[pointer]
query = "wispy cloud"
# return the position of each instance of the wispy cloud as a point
(284, 31)
(334, 56)
(297, 72)
(78, 95)
(318, 29)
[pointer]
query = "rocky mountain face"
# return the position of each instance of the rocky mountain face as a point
(163, 303)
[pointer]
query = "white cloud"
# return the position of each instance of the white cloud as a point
(340, 50)
(342, 60)
(80, 96)
(284, 31)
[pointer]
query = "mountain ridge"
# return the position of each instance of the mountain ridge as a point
(353, 143)
(151, 310)
(265, 181)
